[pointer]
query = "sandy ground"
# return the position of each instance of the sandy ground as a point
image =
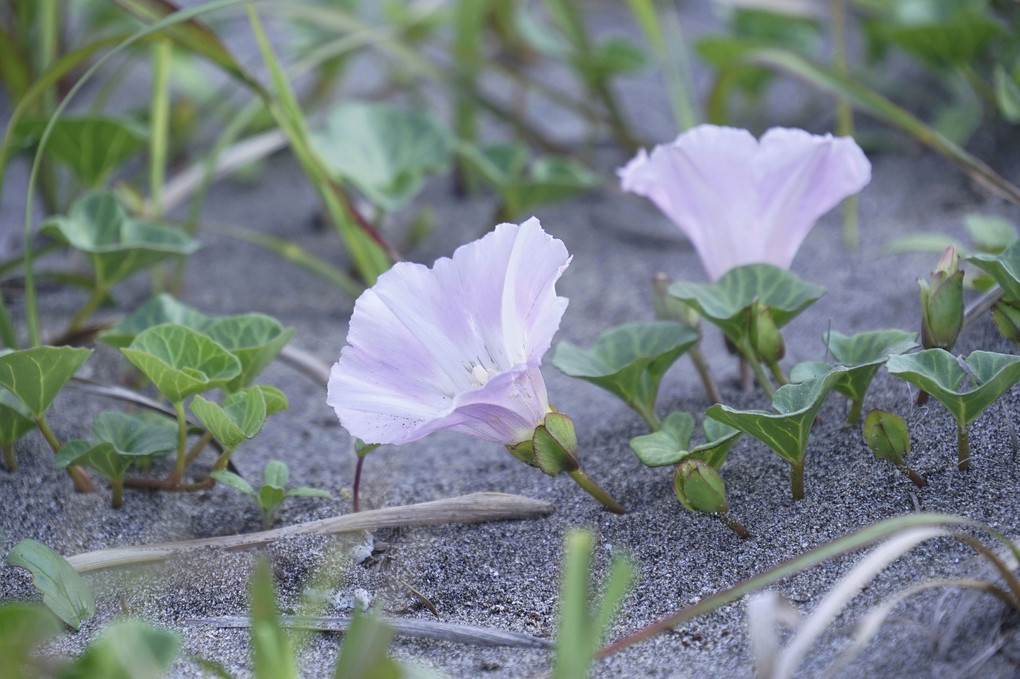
(505, 575)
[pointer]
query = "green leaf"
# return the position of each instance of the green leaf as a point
(15, 419)
(951, 40)
(129, 649)
(136, 436)
(162, 308)
(64, 591)
(719, 440)
(23, 628)
(615, 56)
(1004, 268)
(194, 36)
(92, 146)
(940, 374)
(36, 375)
(786, 431)
(991, 233)
(240, 418)
(276, 400)
(115, 244)
(584, 622)
(363, 655)
(255, 339)
(307, 491)
(276, 474)
(384, 151)
(269, 498)
(862, 354)
(180, 361)
(272, 653)
(629, 361)
(725, 302)
(1007, 94)
(669, 445)
(102, 457)
(234, 481)
(522, 186)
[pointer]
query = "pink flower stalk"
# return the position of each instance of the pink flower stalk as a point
(457, 346)
(740, 200)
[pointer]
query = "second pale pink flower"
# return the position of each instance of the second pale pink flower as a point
(740, 200)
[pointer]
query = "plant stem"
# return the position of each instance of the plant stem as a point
(855, 411)
(177, 474)
(760, 376)
(162, 53)
(200, 446)
(596, 492)
(82, 482)
(777, 372)
(118, 492)
(9, 459)
(223, 459)
(797, 480)
(918, 480)
(647, 413)
(355, 506)
(701, 365)
(734, 526)
(962, 446)
(98, 293)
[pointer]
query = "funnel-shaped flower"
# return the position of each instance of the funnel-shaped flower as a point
(457, 346)
(742, 201)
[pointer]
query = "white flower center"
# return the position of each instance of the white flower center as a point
(480, 375)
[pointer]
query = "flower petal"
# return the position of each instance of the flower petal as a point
(431, 349)
(704, 182)
(800, 177)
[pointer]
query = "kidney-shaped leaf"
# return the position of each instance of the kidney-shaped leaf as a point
(667, 446)
(239, 418)
(116, 245)
(255, 339)
(162, 308)
(15, 418)
(724, 301)
(101, 456)
(92, 146)
(863, 354)
(1004, 268)
(63, 589)
(786, 431)
(36, 375)
(134, 436)
(385, 151)
(276, 400)
(180, 361)
(629, 361)
(940, 374)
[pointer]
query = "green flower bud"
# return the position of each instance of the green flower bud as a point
(765, 337)
(669, 308)
(555, 444)
(699, 487)
(887, 436)
(942, 303)
(1006, 315)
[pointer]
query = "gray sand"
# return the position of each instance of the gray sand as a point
(505, 575)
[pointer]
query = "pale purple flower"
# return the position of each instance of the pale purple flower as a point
(740, 200)
(457, 346)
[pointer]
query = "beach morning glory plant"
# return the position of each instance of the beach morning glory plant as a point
(742, 201)
(459, 347)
